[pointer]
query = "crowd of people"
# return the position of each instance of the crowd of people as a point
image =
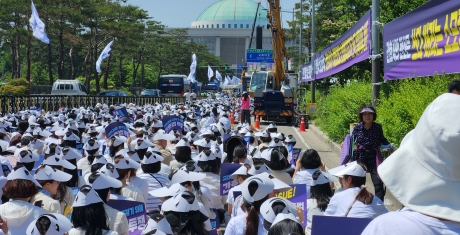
(60, 170)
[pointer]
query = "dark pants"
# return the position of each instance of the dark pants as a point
(246, 116)
(368, 159)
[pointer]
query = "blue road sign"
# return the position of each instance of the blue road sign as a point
(259, 55)
(240, 66)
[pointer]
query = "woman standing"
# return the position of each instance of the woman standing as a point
(245, 112)
(368, 138)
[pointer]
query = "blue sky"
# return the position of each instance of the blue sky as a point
(181, 13)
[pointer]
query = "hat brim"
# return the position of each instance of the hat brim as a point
(399, 171)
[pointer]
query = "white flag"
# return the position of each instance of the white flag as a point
(210, 73)
(218, 76)
(235, 80)
(104, 54)
(227, 81)
(38, 27)
(191, 78)
(193, 65)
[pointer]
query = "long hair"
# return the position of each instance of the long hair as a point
(322, 193)
(91, 218)
(183, 154)
(245, 96)
(275, 162)
(239, 152)
(73, 182)
(286, 226)
(363, 196)
(253, 209)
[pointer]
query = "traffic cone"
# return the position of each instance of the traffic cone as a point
(232, 118)
(257, 123)
(302, 125)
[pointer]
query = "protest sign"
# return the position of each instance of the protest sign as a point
(214, 225)
(173, 122)
(341, 225)
(117, 128)
(134, 211)
(247, 139)
(297, 195)
(124, 115)
(226, 183)
(423, 42)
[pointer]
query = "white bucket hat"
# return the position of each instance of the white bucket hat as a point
(265, 186)
(427, 161)
(59, 225)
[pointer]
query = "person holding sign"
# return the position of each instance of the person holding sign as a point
(354, 201)
(88, 216)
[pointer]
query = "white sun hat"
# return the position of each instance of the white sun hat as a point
(263, 168)
(179, 203)
(48, 173)
(352, 168)
(162, 227)
(191, 165)
(183, 176)
(281, 217)
(262, 134)
(280, 186)
(23, 174)
(59, 225)
(428, 161)
(160, 135)
(109, 170)
(84, 200)
(274, 206)
(243, 170)
(26, 156)
(267, 154)
(205, 143)
(56, 160)
(127, 163)
(203, 157)
(323, 178)
(71, 153)
(153, 155)
(118, 140)
(265, 187)
(182, 143)
(103, 181)
(143, 144)
(172, 191)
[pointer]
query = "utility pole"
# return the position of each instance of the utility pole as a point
(313, 88)
(301, 26)
(375, 51)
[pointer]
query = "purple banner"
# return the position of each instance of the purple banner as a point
(117, 128)
(172, 122)
(423, 42)
(215, 224)
(124, 115)
(290, 149)
(297, 195)
(134, 211)
(226, 183)
(345, 149)
(341, 225)
(350, 48)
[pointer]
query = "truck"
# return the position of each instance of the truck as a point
(274, 92)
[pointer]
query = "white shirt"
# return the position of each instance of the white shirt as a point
(212, 181)
(304, 177)
(19, 215)
(155, 181)
(133, 192)
(237, 226)
(193, 95)
(79, 231)
(340, 202)
(117, 220)
(84, 165)
(142, 184)
(187, 96)
(48, 204)
(312, 209)
(406, 222)
(237, 203)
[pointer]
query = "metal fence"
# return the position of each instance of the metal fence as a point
(15, 104)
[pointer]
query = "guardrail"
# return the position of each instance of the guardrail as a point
(15, 104)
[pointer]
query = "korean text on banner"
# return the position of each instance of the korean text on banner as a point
(423, 42)
(297, 195)
(350, 48)
(172, 122)
(117, 128)
(134, 211)
(226, 183)
(342, 225)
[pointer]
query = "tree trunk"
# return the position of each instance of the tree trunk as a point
(106, 72)
(13, 61)
(72, 66)
(50, 68)
(61, 55)
(29, 49)
(142, 71)
(96, 75)
(18, 57)
(120, 68)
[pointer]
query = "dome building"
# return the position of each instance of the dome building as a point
(225, 28)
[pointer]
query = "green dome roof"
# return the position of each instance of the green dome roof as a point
(232, 10)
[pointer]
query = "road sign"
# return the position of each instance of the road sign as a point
(259, 55)
(240, 66)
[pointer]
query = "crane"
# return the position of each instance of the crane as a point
(279, 48)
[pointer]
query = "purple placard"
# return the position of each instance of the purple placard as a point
(423, 42)
(350, 48)
(124, 115)
(290, 149)
(345, 149)
(341, 225)
(215, 224)
(226, 183)
(134, 211)
(297, 195)
(172, 122)
(117, 128)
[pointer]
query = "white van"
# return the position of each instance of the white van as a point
(68, 87)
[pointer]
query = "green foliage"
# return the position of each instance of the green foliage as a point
(18, 82)
(339, 108)
(400, 111)
(19, 86)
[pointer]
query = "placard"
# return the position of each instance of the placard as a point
(226, 183)
(134, 211)
(117, 128)
(341, 225)
(297, 195)
(173, 122)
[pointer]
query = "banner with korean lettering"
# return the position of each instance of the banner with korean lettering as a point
(172, 122)
(423, 42)
(117, 128)
(135, 213)
(297, 195)
(226, 183)
(350, 48)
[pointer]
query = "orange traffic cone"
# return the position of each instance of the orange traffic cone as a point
(302, 125)
(257, 123)
(232, 118)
